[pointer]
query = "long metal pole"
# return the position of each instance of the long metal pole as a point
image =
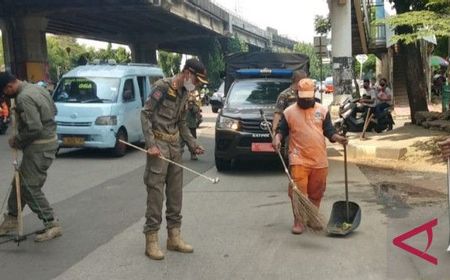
(321, 74)
(213, 180)
(448, 198)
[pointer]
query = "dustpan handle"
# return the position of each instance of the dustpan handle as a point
(347, 206)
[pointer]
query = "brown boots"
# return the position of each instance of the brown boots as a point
(174, 243)
(152, 249)
(52, 231)
(8, 225)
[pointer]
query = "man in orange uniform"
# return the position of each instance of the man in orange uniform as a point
(307, 123)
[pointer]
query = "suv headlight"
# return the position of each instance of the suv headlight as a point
(228, 123)
(106, 120)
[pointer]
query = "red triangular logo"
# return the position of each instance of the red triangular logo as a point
(428, 227)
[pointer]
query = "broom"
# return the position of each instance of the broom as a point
(301, 205)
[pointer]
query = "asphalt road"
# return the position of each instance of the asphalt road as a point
(240, 228)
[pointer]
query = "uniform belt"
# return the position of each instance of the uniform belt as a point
(45, 141)
(171, 138)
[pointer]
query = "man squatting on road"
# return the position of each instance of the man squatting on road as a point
(164, 122)
(307, 123)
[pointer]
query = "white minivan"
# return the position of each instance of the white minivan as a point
(100, 104)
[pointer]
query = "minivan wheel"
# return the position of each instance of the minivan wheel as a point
(222, 164)
(120, 149)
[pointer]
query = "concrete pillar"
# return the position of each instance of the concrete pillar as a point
(25, 47)
(341, 40)
(142, 52)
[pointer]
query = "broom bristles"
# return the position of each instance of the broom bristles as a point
(308, 212)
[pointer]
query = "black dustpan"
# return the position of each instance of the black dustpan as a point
(345, 215)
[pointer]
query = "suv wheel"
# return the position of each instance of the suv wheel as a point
(222, 164)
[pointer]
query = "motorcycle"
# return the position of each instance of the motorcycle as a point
(353, 114)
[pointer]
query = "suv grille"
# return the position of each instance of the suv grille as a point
(252, 125)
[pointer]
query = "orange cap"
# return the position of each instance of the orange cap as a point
(306, 88)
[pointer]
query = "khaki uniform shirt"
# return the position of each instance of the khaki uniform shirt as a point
(36, 112)
(165, 112)
(286, 98)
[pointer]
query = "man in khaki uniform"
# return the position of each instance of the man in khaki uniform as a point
(164, 122)
(287, 97)
(37, 139)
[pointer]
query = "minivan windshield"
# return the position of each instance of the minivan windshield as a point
(87, 90)
(250, 93)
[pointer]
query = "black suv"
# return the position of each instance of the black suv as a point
(241, 133)
(253, 82)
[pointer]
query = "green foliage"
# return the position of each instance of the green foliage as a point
(442, 47)
(368, 67)
(64, 53)
(169, 63)
(421, 17)
(322, 24)
(215, 64)
(235, 45)
(314, 61)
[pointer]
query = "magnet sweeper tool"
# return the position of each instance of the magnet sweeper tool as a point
(213, 180)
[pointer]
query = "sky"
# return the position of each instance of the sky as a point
(293, 18)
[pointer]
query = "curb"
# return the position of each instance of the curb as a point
(363, 151)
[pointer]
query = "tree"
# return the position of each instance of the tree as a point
(235, 45)
(64, 53)
(169, 62)
(314, 60)
(215, 63)
(414, 20)
(322, 25)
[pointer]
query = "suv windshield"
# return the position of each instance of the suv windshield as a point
(87, 90)
(248, 93)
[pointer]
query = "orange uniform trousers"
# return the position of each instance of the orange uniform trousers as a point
(310, 181)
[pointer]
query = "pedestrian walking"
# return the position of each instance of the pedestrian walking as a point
(307, 123)
(36, 138)
(164, 122)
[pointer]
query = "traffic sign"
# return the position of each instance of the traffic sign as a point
(362, 58)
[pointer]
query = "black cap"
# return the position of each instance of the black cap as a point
(197, 68)
(5, 78)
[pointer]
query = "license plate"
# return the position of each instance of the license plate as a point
(73, 141)
(262, 147)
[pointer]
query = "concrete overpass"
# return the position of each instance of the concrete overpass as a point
(184, 26)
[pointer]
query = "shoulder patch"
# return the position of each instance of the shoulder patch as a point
(157, 95)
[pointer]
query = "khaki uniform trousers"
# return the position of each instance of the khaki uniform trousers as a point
(164, 180)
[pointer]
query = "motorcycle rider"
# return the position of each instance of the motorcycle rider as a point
(384, 97)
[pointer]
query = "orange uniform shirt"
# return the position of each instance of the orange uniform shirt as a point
(307, 145)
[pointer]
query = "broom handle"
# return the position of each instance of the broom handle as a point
(347, 206)
(16, 172)
(286, 170)
(448, 196)
(214, 180)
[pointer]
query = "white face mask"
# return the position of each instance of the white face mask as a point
(189, 85)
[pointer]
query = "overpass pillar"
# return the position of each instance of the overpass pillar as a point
(341, 41)
(143, 52)
(25, 47)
